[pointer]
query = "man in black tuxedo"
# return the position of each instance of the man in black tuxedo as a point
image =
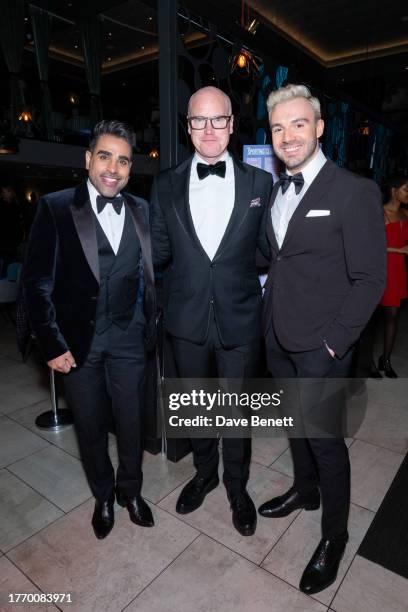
(327, 274)
(206, 220)
(89, 289)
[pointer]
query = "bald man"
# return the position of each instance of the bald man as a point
(206, 222)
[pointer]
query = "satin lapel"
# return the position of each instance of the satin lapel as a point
(314, 194)
(84, 221)
(180, 190)
(269, 227)
(243, 192)
(142, 231)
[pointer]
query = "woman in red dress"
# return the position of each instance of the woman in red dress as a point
(396, 227)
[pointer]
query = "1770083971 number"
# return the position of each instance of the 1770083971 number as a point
(21, 598)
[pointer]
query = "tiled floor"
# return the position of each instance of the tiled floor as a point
(193, 563)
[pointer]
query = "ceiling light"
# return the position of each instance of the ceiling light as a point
(25, 116)
(252, 27)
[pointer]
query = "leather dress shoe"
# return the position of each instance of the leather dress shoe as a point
(384, 365)
(243, 513)
(139, 511)
(193, 494)
(290, 501)
(103, 518)
(321, 571)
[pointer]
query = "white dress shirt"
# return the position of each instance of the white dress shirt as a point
(211, 203)
(109, 220)
(286, 203)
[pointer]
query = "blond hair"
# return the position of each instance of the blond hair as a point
(290, 92)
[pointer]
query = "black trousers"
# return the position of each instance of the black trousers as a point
(317, 461)
(110, 384)
(210, 360)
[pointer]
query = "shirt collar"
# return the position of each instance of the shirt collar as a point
(313, 167)
(93, 194)
(197, 159)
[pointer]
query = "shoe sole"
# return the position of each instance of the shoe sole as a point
(208, 489)
(306, 507)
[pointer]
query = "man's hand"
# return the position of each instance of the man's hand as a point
(63, 363)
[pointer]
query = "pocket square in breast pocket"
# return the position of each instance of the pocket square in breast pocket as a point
(318, 213)
(255, 203)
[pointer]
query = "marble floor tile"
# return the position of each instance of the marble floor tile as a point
(208, 576)
(291, 554)
(65, 438)
(17, 442)
(368, 586)
(161, 476)
(385, 426)
(284, 463)
(267, 450)
(22, 386)
(56, 475)
(101, 574)
(13, 581)
(372, 471)
(22, 511)
(389, 392)
(214, 516)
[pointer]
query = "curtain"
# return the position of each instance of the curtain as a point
(41, 25)
(91, 43)
(380, 143)
(12, 43)
(281, 76)
(336, 132)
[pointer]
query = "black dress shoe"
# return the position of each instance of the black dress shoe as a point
(103, 518)
(243, 513)
(139, 511)
(290, 501)
(384, 365)
(321, 571)
(193, 494)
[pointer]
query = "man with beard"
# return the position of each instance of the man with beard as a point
(326, 276)
(89, 290)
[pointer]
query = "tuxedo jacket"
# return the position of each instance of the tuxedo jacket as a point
(329, 274)
(61, 272)
(228, 284)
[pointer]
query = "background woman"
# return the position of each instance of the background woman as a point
(396, 227)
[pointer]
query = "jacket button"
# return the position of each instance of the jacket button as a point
(92, 323)
(212, 265)
(278, 258)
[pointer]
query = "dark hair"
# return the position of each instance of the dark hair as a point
(395, 181)
(113, 128)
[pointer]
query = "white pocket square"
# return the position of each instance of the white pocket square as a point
(318, 213)
(255, 202)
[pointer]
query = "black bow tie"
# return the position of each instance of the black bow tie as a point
(286, 179)
(204, 170)
(117, 203)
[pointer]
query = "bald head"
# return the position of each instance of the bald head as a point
(209, 142)
(209, 94)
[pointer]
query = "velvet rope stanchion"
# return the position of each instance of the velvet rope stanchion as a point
(54, 419)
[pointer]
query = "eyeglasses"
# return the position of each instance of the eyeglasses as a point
(200, 123)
